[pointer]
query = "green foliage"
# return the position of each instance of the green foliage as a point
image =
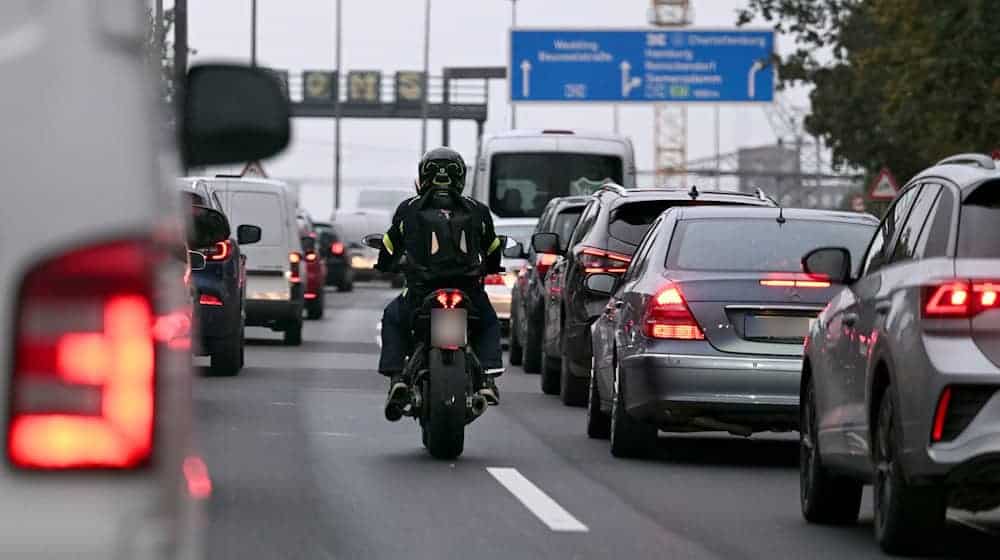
(898, 83)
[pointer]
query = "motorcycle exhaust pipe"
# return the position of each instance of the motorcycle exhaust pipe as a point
(477, 406)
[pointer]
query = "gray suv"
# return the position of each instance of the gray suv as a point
(902, 370)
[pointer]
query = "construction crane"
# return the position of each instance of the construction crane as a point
(670, 121)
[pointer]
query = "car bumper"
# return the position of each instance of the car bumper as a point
(268, 313)
(500, 298)
(680, 388)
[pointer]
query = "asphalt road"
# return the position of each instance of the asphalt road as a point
(304, 466)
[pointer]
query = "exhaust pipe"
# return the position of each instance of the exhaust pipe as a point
(477, 406)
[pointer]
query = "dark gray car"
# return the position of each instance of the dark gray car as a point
(901, 373)
(704, 331)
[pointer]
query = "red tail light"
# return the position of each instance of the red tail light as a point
(294, 262)
(220, 251)
(83, 384)
(960, 299)
(941, 414)
(669, 317)
(449, 300)
(793, 280)
(209, 299)
(337, 248)
(494, 280)
(599, 260)
(543, 262)
(311, 256)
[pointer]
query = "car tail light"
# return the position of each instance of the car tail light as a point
(209, 299)
(941, 414)
(960, 299)
(543, 262)
(795, 280)
(311, 256)
(83, 385)
(668, 317)
(337, 248)
(599, 260)
(493, 280)
(449, 299)
(294, 263)
(220, 251)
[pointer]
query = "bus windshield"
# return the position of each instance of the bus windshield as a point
(521, 184)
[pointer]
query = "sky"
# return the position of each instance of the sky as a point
(387, 35)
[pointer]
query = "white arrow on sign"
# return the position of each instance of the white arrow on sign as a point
(752, 79)
(628, 82)
(525, 78)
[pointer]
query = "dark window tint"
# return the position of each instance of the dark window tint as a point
(759, 245)
(565, 223)
(629, 222)
(936, 236)
(641, 259)
(522, 184)
(586, 222)
(906, 246)
(876, 256)
(979, 224)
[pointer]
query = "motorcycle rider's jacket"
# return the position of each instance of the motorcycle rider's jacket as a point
(448, 241)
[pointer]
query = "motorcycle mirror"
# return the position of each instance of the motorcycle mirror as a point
(374, 240)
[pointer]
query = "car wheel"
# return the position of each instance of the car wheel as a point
(629, 437)
(598, 421)
(346, 285)
(572, 389)
(550, 376)
(532, 348)
(824, 497)
(907, 517)
(516, 352)
(243, 346)
(314, 308)
(226, 356)
(293, 334)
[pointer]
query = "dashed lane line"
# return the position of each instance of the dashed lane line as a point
(537, 501)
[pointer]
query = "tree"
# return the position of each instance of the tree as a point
(160, 51)
(896, 83)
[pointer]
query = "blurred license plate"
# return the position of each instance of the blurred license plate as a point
(448, 327)
(763, 326)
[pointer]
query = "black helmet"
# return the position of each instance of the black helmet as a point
(441, 167)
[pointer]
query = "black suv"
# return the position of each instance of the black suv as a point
(338, 258)
(610, 229)
(527, 299)
(221, 290)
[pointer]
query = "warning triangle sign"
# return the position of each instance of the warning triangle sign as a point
(253, 169)
(884, 187)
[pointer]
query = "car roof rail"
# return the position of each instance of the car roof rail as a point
(610, 186)
(227, 176)
(981, 160)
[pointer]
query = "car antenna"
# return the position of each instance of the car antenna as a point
(693, 193)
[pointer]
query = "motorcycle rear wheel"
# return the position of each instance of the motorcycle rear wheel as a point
(444, 425)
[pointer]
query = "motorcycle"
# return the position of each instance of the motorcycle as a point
(443, 370)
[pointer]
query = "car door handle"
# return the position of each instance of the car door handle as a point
(883, 307)
(850, 319)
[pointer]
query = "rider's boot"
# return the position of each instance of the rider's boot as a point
(489, 389)
(398, 398)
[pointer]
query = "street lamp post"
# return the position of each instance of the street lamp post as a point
(336, 111)
(427, 77)
(253, 32)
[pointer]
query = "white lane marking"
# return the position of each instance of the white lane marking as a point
(538, 502)
(282, 403)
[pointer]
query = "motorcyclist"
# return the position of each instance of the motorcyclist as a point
(449, 242)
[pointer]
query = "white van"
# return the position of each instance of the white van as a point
(275, 271)
(519, 171)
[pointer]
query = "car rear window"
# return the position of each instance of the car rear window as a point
(565, 223)
(260, 209)
(630, 222)
(979, 225)
(760, 245)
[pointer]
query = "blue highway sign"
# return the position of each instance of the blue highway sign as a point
(643, 66)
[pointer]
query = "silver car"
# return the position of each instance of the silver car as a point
(901, 371)
(704, 331)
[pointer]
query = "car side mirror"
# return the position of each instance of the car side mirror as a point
(197, 260)
(833, 263)
(208, 227)
(546, 243)
(601, 284)
(515, 251)
(374, 240)
(247, 234)
(232, 113)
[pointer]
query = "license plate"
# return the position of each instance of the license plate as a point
(448, 327)
(763, 326)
